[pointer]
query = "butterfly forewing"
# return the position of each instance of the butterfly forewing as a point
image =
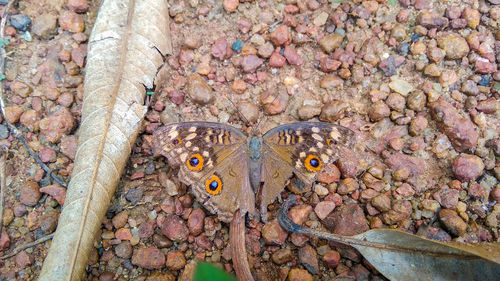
(302, 148)
(211, 158)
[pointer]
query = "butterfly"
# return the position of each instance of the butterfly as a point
(226, 168)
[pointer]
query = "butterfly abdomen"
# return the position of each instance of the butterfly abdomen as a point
(255, 165)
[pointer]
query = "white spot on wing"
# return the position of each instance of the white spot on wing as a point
(312, 149)
(329, 151)
(207, 138)
(320, 145)
(205, 154)
(317, 137)
(192, 129)
(335, 134)
(179, 150)
(209, 163)
(173, 134)
(184, 157)
(302, 154)
(325, 158)
(196, 148)
(188, 144)
(191, 136)
(315, 129)
(298, 164)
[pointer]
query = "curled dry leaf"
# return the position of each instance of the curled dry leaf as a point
(125, 51)
(402, 256)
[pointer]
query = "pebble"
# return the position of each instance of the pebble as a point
(452, 222)
(448, 198)
(292, 57)
(307, 112)
(309, 259)
(250, 63)
(149, 258)
(56, 125)
(244, 25)
(272, 104)
(30, 194)
(20, 21)
(265, 50)
(431, 19)
(348, 220)
(239, 86)
(454, 45)
(123, 234)
(298, 274)
(196, 221)
(324, 208)
(4, 132)
(250, 111)
(458, 129)
(23, 259)
(333, 111)
(221, 49)
(134, 195)
(124, 250)
(378, 111)
(273, 233)
(331, 42)
(282, 256)
(175, 260)
(277, 60)
(416, 100)
(198, 90)
(230, 5)
(418, 125)
(13, 113)
(331, 81)
(55, 191)
(400, 86)
(300, 213)
(332, 258)
(320, 19)
(347, 186)
(120, 219)
(472, 17)
(488, 106)
(477, 191)
(281, 36)
(4, 240)
(382, 202)
(174, 228)
(467, 167)
(71, 21)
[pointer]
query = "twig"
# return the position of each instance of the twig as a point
(3, 185)
(238, 250)
(26, 246)
(11, 127)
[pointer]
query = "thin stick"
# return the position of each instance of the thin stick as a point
(11, 127)
(3, 185)
(238, 250)
(26, 246)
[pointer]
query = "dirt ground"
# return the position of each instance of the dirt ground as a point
(416, 80)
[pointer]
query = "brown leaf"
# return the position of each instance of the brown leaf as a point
(403, 256)
(125, 50)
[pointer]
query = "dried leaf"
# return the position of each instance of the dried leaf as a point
(125, 51)
(402, 256)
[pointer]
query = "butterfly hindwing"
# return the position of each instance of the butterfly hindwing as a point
(211, 158)
(301, 148)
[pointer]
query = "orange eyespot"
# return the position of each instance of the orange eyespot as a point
(330, 142)
(213, 185)
(177, 141)
(195, 162)
(312, 163)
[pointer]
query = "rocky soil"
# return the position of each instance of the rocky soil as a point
(416, 81)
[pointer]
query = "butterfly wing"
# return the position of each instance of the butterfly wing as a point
(301, 148)
(212, 159)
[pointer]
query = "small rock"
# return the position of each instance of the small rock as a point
(379, 111)
(175, 260)
(198, 90)
(13, 113)
(396, 102)
(265, 50)
(418, 125)
(431, 19)
(299, 214)
(239, 86)
(251, 63)
(307, 112)
(149, 258)
(273, 104)
(56, 125)
(30, 119)
(347, 220)
(4, 240)
(332, 258)
(30, 194)
(416, 100)
(120, 219)
(124, 250)
(347, 186)
(55, 191)
(273, 233)
(467, 167)
(308, 258)
(281, 36)
(277, 60)
(321, 19)
(333, 111)
(79, 6)
(476, 191)
(292, 57)
(4, 132)
(71, 21)
(448, 198)
(123, 234)
(382, 202)
(23, 259)
(196, 221)
(328, 174)
(331, 42)
(298, 274)
(20, 22)
(282, 256)
(250, 111)
(454, 45)
(174, 228)
(324, 208)
(134, 195)
(221, 49)
(472, 17)
(452, 222)
(331, 81)
(400, 86)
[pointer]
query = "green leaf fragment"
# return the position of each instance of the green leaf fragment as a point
(208, 272)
